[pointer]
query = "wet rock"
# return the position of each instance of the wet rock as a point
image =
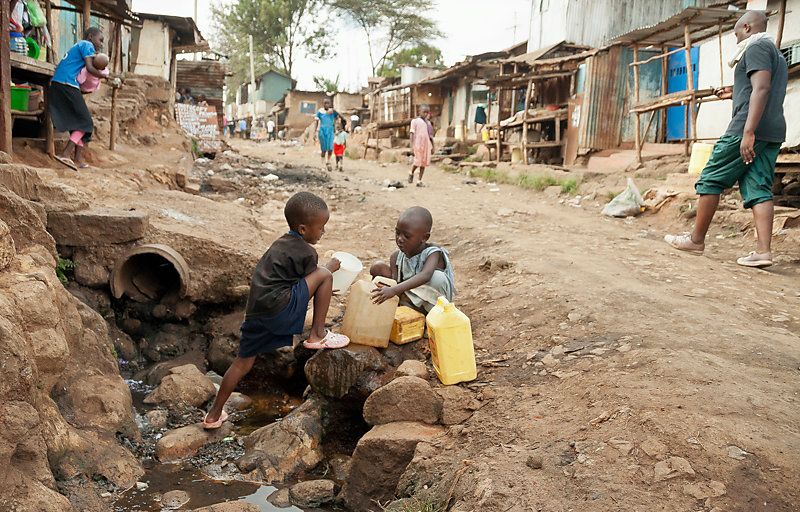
(185, 385)
(412, 368)
(671, 468)
(99, 226)
(157, 418)
(230, 506)
(353, 371)
(224, 333)
(458, 404)
(339, 466)
(280, 498)
(380, 458)
(7, 249)
(312, 493)
(126, 348)
(172, 500)
(186, 441)
(171, 341)
(238, 402)
(157, 372)
(282, 449)
(403, 399)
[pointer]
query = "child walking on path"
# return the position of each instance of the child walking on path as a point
(284, 281)
(422, 269)
(421, 143)
(748, 150)
(323, 131)
(339, 146)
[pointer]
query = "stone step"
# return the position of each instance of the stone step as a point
(99, 226)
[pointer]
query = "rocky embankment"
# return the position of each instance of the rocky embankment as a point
(63, 404)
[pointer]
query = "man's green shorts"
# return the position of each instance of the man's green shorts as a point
(726, 167)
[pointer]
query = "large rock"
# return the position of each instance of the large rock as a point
(97, 402)
(313, 493)
(403, 399)
(230, 506)
(7, 249)
(282, 449)
(184, 385)
(354, 371)
(380, 458)
(99, 226)
(186, 441)
(26, 220)
(458, 404)
(412, 368)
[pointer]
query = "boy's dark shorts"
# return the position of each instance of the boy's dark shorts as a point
(726, 167)
(269, 333)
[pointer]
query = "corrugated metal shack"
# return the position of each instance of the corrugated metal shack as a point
(206, 77)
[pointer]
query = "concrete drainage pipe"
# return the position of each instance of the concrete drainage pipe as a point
(150, 272)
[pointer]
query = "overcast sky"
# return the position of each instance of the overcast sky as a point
(470, 27)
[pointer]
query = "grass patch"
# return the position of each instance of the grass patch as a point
(64, 270)
(415, 505)
(569, 186)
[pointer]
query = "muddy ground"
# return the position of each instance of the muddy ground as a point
(614, 372)
(604, 355)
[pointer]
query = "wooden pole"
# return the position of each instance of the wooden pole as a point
(719, 41)
(87, 15)
(690, 85)
(49, 137)
(638, 137)
(662, 129)
(781, 22)
(5, 78)
(112, 137)
(524, 144)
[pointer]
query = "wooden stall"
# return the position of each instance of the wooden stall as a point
(531, 94)
(21, 68)
(675, 35)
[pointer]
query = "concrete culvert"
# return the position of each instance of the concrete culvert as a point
(150, 272)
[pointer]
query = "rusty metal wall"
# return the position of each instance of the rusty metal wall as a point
(202, 77)
(603, 102)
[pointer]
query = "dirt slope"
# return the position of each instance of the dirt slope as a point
(604, 353)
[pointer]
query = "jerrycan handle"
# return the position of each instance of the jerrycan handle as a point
(383, 280)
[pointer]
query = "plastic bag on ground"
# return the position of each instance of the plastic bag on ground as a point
(627, 204)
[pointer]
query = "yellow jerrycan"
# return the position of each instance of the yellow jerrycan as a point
(452, 352)
(366, 323)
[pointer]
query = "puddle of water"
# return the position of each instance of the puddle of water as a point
(268, 406)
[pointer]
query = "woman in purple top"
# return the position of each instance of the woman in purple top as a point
(67, 107)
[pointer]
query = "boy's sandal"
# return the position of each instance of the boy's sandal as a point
(215, 424)
(67, 161)
(331, 340)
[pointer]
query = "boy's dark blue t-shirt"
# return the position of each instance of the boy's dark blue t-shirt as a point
(761, 55)
(289, 259)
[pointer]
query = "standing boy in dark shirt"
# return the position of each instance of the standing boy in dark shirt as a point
(748, 150)
(284, 281)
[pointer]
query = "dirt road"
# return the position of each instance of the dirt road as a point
(640, 377)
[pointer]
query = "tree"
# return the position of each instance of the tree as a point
(281, 30)
(420, 55)
(326, 84)
(389, 25)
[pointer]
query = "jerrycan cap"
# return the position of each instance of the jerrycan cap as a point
(445, 304)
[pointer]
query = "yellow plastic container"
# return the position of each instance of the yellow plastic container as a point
(452, 352)
(701, 152)
(366, 323)
(408, 326)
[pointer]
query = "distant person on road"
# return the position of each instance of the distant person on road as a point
(421, 143)
(422, 269)
(324, 130)
(747, 152)
(270, 130)
(284, 281)
(66, 104)
(243, 128)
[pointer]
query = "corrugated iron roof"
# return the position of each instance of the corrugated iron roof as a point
(120, 9)
(703, 24)
(187, 36)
